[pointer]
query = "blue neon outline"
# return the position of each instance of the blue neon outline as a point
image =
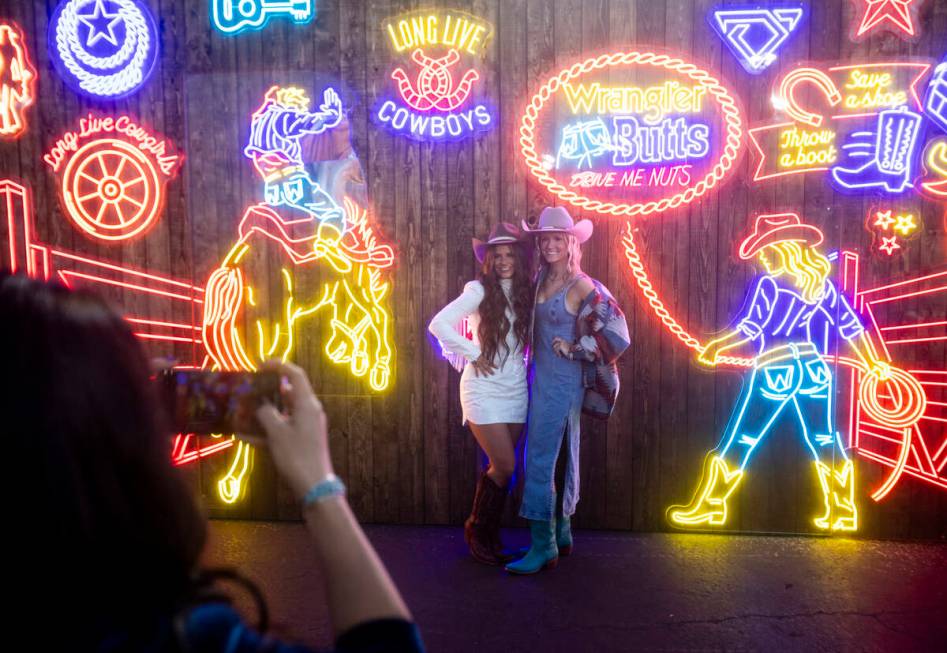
(616, 149)
(468, 132)
(801, 366)
(862, 149)
(938, 80)
(248, 25)
(73, 82)
(782, 21)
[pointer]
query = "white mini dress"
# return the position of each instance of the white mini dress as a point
(501, 397)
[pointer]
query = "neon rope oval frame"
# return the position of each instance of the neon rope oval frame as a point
(730, 111)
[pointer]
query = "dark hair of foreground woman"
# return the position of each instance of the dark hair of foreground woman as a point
(106, 536)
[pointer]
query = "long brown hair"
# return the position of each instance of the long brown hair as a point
(494, 325)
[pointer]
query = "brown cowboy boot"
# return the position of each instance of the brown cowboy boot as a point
(495, 499)
(477, 531)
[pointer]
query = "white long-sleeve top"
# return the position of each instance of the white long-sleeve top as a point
(501, 397)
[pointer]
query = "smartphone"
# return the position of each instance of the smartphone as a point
(202, 401)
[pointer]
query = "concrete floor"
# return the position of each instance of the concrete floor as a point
(624, 592)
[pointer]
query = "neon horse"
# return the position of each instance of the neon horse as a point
(248, 319)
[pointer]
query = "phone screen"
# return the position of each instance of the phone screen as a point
(200, 401)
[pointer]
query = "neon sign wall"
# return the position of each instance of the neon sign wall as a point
(310, 232)
(238, 16)
(635, 148)
(103, 48)
(755, 35)
(17, 80)
(855, 141)
(794, 314)
(431, 104)
(113, 173)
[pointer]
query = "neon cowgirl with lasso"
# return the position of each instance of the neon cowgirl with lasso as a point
(793, 318)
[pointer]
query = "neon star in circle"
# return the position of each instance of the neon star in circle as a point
(889, 244)
(905, 224)
(884, 220)
(897, 12)
(101, 25)
(103, 48)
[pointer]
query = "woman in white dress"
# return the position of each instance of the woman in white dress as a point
(493, 391)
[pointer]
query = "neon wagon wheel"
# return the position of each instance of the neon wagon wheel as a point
(111, 191)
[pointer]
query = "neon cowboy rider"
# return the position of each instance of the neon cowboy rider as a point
(275, 133)
(793, 319)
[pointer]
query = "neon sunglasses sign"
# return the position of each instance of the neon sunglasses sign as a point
(632, 149)
(430, 103)
(103, 48)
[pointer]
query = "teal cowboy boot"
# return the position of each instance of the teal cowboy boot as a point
(542, 553)
(563, 535)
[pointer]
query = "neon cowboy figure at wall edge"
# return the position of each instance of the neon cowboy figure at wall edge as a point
(793, 319)
(274, 146)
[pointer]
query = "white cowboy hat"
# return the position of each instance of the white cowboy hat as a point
(555, 219)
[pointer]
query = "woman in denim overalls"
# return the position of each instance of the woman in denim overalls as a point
(556, 389)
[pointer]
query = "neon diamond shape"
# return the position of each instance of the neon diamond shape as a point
(754, 35)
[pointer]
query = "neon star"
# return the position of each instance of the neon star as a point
(905, 224)
(889, 244)
(101, 25)
(884, 219)
(897, 12)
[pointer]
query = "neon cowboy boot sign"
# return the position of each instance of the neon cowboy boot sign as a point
(888, 153)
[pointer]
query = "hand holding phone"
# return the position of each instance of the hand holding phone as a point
(207, 402)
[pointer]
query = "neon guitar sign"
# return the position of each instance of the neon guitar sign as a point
(236, 16)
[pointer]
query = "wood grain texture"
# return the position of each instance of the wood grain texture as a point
(403, 452)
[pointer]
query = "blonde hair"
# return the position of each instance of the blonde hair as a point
(573, 252)
(806, 265)
(291, 97)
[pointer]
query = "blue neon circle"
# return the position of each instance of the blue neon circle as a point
(103, 48)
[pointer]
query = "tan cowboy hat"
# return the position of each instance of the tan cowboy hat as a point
(501, 233)
(555, 219)
(778, 228)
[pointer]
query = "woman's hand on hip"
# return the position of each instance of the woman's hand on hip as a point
(483, 367)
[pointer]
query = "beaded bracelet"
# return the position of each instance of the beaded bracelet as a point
(330, 486)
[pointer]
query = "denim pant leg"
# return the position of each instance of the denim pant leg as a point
(543, 439)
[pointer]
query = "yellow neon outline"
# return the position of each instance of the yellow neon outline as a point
(709, 503)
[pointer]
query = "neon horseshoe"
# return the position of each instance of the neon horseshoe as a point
(936, 162)
(434, 83)
(786, 101)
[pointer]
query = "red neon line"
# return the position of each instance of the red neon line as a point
(170, 325)
(883, 437)
(907, 340)
(130, 286)
(125, 270)
(929, 372)
(914, 326)
(935, 419)
(151, 336)
(932, 383)
(933, 480)
(911, 294)
(203, 453)
(903, 283)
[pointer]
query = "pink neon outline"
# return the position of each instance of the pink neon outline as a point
(920, 325)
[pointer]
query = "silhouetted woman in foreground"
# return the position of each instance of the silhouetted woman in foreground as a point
(109, 538)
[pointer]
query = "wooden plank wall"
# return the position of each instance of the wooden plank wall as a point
(404, 453)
